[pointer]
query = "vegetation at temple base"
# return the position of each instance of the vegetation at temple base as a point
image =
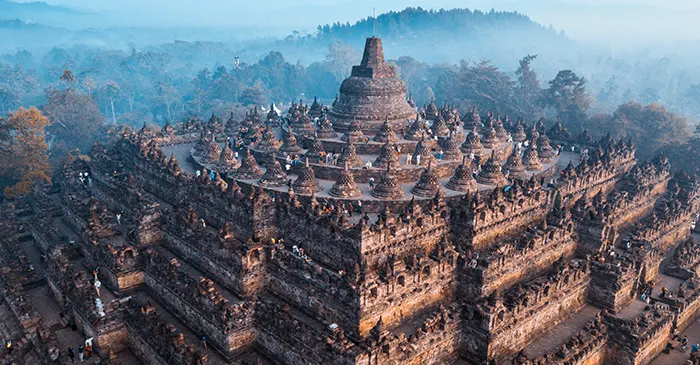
(23, 151)
(567, 96)
(85, 90)
(75, 118)
(652, 127)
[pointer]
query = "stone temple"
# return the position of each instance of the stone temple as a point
(368, 232)
(372, 94)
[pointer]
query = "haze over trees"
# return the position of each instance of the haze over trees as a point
(508, 64)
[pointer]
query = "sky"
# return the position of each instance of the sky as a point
(589, 20)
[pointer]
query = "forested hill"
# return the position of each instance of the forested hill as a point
(452, 35)
(40, 12)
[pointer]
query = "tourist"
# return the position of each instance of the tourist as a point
(408, 158)
(471, 156)
(368, 165)
(418, 160)
(371, 182)
(81, 352)
(71, 354)
(8, 346)
(664, 292)
(204, 224)
(198, 173)
(204, 342)
(212, 176)
(287, 167)
(88, 350)
(573, 148)
(119, 219)
(289, 183)
(440, 154)
(98, 285)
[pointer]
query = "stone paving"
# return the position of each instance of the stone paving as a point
(675, 356)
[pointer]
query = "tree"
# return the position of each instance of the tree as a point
(568, 97)
(9, 100)
(253, 96)
(652, 127)
(23, 151)
(167, 95)
(649, 96)
(68, 78)
(75, 118)
(528, 89)
(692, 100)
(339, 60)
(414, 74)
(225, 88)
(88, 84)
(429, 94)
(609, 93)
(110, 91)
(480, 84)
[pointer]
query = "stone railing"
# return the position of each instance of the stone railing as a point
(518, 260)
(156, 342)
(296, 340)
(436, 338)
(498, 315)
(200, 294)
(586, 343)
(634, 334)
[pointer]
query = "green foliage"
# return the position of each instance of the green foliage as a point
(75, 119)
(652, 127)
(567, 96)
(253, 96)
(480, 84)
(528, 89)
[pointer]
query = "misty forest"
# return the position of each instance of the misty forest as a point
(83, 85)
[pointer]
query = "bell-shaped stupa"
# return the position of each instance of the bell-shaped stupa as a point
(372, 93)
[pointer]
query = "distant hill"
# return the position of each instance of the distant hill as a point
(437, 36)
(17, 34)
(11, 9)
(41, 12)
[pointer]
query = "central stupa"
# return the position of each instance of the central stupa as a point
(372, 94)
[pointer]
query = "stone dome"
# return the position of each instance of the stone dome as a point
(372, 93)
